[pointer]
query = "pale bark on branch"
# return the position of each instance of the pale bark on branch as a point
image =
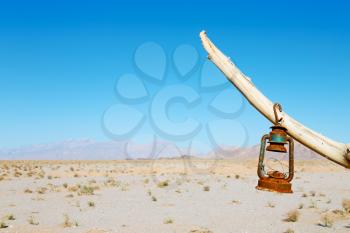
(335, 151)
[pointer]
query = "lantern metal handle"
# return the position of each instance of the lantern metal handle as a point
(276, 107)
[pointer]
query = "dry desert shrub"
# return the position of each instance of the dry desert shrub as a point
(87, 190)
(74, 188)
(313, 205)
(110, 182)
(326, 220)
(168, 221)
(27, 190)
(346, 205)
(67, 222)
(41, 190)
(3, 225)
(163, 184)
(289, 231)
(236, 202)
(91, 204)
(206, 188)
(32, 220)
(10, 217)
(292, 216)
(271, 205)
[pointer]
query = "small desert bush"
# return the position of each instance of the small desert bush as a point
(111, 183)
(206, 188)
(32, 220)
(41, 190)
(27, 190)
(289, 231)
(67, 222)
(91, 204)
(313, 205)
(3, 225)
(154, 198)
(271, 205)
(168, 221)
(346, 205)
(292, 216)
(163, 184)
(74, 188)
(326, 221)
(10, 217)
(87, 190)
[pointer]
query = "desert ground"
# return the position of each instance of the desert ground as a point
(169, 195)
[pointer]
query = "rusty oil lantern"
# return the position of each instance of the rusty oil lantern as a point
(276, 181)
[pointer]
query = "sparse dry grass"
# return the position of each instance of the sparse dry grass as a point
(326, 220)
(292, 216)
(206, 188)
(346, 205)
(3, 225)
(168, 221)
(67, 222)
(41, 190)
(91, 204)
(163, 184)
(10, 217)
(313, 205)
(271, 205)
(32, 220)
(27, 190)
(87, 190)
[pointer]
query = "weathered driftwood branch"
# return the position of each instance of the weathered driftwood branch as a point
(332, 150)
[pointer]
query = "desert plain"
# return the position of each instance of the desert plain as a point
(169, 195)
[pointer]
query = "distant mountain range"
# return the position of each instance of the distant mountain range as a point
(112, 150)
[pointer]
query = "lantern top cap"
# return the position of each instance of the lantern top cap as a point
(279, 127)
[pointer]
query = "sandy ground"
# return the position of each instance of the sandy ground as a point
(175, 195)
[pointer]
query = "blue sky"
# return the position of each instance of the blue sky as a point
(59, 61)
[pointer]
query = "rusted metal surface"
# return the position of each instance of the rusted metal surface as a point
(275, 107)
(274, 185)
(277, 139)
(276, 181)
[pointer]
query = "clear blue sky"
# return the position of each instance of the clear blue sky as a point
(59, 60)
